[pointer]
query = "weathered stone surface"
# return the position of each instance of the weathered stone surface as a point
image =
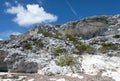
(3, 65)
(17, 62)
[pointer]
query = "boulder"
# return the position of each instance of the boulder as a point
(17, 62)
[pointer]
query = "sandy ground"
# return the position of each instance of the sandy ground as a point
(38, 77)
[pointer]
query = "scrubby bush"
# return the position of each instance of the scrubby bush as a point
(39, 43)
(82, 48)
(57, 35)
(77, 43)
(47, 34)
(103, 50)
(58, 51)
(27, 45)
(107, 46)
(90, 50)
(66, 60)
(86, 48)
(70, 37)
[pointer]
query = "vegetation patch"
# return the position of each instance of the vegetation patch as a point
(47, 34)
(70, 37)
(81, 47)
(27, 45)
(39, 43)
(59, 50)
(57, 35)
(108, 46)
(67, 60)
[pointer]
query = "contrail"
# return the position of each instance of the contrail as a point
(72, 9)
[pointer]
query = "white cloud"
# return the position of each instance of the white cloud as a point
(7, 4)
(30, 15)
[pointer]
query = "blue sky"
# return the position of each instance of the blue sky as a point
(18, 16)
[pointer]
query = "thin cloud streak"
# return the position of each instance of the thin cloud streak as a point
(72, 9)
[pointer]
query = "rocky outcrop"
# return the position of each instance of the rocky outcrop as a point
(46, 49)
(17, 62)
(92, 26)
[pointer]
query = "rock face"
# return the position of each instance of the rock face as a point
(3, 64)
(91, 27)
(92, 45)
(17, 62)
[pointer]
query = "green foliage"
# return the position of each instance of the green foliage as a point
(86, 48)
(82, 48)
(66, 60)
(107, 46)
(70, 37)
(103, 50)
(27, 45)
(57, 35)
(116, 36)
(47, 34)
(58, 51)
(77, 43)
(39, 43)
(90, 50)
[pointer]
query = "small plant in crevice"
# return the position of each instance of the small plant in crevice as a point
(91, 50)
(39, 43)
(58, 51)
(57, 35)
(77, 43)
(27, 45)
(47, 34)
(70, 37)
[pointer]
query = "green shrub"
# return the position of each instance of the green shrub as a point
(116, 36)
(58, 51)
(77, 43)
(39, 43)
(70, 37)
(27, 45)
(66, 60)
(82, 48)
(47, 34)
(103, 50)
(113, 47)
(86, 48)
(90, 50)
(57, 35)
(107, 46)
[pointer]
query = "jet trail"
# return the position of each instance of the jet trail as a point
(72, 9)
